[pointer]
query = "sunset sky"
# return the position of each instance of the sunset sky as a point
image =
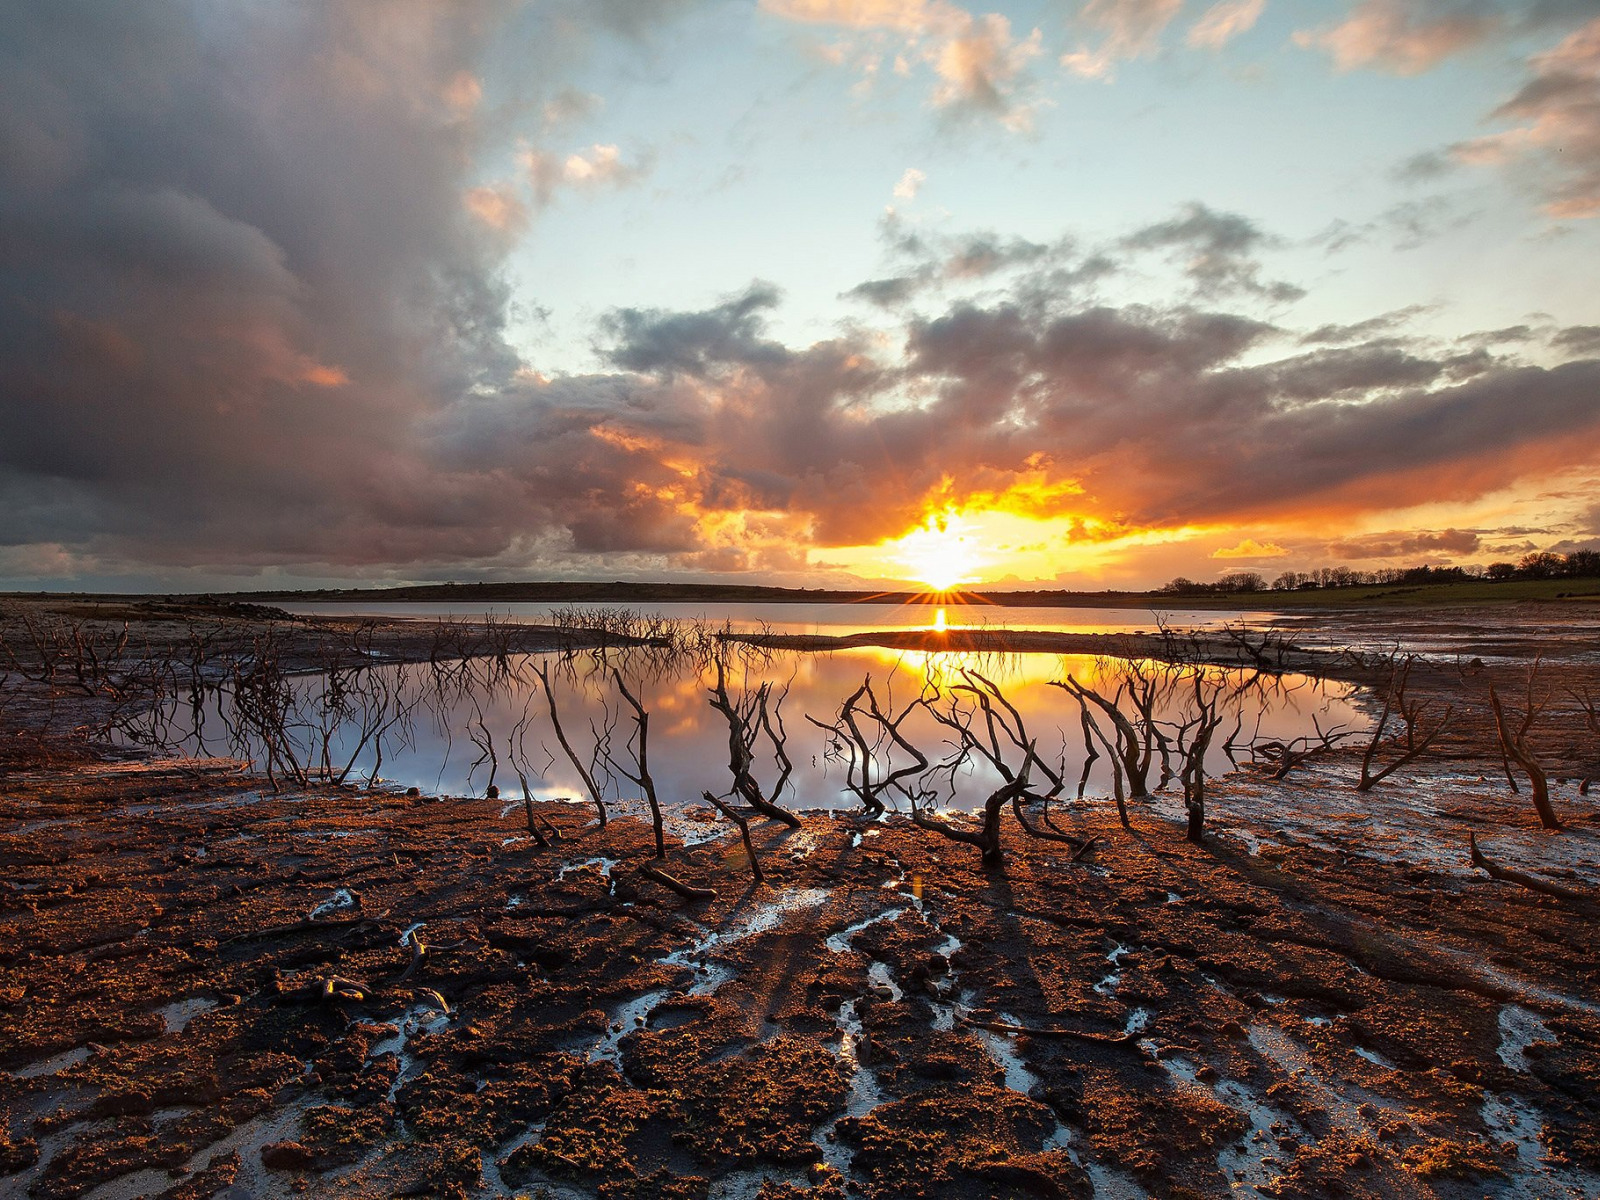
(817, 292)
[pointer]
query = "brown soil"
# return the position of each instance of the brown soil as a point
(136, 888)
(204, 986)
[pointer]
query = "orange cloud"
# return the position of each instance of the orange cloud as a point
(978, 62)
(498, 207)
(1223, 22)
(1401, 37)
(323, 376)
(463, 93)
(1559, 132)
(1132, 29)
(1250, 548)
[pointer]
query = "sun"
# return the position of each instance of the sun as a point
(943, 553)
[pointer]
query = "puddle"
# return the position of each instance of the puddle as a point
(491, 1161)
(247, 1139)
(854, 1047)
(54, 1065)
(1519, 1029)
(178, 1015)
(338, 902)
(865, 1092)
(1376, 1059)
(839, 942)
(878, 975)
(1241, 1161)
(605, 866)
(419, 1018)
(1002, 1049)
(1108, 986)
(622, 1021)
(709, 976)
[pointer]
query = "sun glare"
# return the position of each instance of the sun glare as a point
(941, 554)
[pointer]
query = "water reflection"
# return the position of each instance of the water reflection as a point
(833, 619)
(486, 726)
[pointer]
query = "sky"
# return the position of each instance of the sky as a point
(1067, 293)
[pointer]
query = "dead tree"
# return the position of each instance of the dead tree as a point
(584, 773)
(1147, 692)
(1591, 715)
(1090, 752)
(639, 748)
(743, 823)
(1265, 651)
(263, 712)
(673, 884)
(482, 737)
(990, 729)
(1291, 755)
(1416, 736)
(847, 741)
(1513, 737)
(1091, 729)
(748, 718)
(1130, 749)
(1193, 742)
(539, 829)
(987, 836)
(1532, 882)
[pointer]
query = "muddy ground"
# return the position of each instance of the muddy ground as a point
(210, 989)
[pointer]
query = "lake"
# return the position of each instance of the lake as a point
(441, 747)
(833, 619)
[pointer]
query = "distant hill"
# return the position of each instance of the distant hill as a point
(622, 592)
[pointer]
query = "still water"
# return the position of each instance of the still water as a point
(832, 619)
(442, 747)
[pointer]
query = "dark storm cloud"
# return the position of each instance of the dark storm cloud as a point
(241, 293)
(235, 268)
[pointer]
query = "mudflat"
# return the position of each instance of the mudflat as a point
(206, 984)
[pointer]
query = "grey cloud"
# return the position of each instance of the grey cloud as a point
(1578, 339)
(1408, 544)
(1217, 251)
(690, 343)
(1360, 331)
(934, 264)
(886, 293)
(242, 294)
(1553, 145)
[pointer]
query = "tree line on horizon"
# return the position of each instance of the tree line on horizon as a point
(1542, 564)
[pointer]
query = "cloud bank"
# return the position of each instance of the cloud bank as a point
(255, 313)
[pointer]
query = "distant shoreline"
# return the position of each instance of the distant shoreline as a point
(1363, 597)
